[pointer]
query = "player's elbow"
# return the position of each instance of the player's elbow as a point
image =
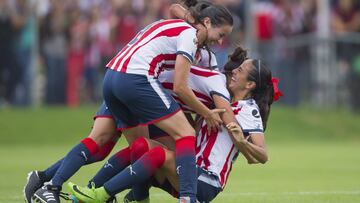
(173, 9)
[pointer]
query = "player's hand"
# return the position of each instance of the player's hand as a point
(213, 119)
(236, 131)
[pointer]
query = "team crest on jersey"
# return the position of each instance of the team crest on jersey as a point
(255, 113)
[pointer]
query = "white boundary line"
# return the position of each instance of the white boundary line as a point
(228, 194)
(300, 193)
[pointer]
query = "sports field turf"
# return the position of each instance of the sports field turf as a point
(314, 155)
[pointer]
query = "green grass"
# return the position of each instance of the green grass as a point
(314, 155)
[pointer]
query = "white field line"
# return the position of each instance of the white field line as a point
(300, 193)
(226, 194)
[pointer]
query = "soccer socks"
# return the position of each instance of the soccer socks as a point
(77, 157)
(49, 173)
(186, 167)
(113, 166)
(138, 148)
(138, 172)
(103, 152)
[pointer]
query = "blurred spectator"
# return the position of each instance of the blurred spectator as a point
(24, 45)
(10, 21)
(309, 8)
(288, 21)
(76, 55)
(53, 45)
(346, 21)
(236, 38)
(127, 23)
(75, 47)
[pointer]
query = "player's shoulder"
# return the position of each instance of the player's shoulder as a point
(249, 107)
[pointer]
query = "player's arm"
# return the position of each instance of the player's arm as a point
(229, 117)
(256, 148)
(178, 11)
(181, 88)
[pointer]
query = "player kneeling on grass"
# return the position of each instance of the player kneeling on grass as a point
(253, 91)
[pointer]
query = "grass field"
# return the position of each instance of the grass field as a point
(314, 155)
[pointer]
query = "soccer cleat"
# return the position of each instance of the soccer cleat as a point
(129, 198)
(47, 194)
(112, 200)
(33, 183)
(88, 195)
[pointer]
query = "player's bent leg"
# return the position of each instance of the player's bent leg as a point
(140, 171)
(179, 128)
(103, 130)
(136, 132)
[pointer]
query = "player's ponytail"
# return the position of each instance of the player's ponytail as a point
(264, 90)
(189, 3)
(235, 60)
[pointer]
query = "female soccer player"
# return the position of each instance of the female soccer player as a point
(253, 92)
(135, 98)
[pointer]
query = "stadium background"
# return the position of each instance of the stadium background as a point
(52, 55)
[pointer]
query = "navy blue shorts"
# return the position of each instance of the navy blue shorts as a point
(103, 112)
(135, 100)
(205, 191)
(154, 131)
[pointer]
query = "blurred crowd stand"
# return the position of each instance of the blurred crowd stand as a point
(54, 52)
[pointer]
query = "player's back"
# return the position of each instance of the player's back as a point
(155, 47)
(202, 81)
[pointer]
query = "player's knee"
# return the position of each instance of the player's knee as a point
(158, 156)
(139, 147)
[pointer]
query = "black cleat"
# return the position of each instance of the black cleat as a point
(112, 200)
(47, 194)
(33, 183)
(129, 197)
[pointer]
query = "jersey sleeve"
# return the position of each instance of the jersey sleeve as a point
(217, 86)
(250, 119)
(187, 44)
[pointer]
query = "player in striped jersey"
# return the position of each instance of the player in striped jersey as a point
(213, 164)
(207, 85)
(135, 98)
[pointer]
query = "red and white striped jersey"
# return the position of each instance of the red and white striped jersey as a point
(216, 152)
(203, 82)
(155, 48)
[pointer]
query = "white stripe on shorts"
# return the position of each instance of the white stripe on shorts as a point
(156, 86)
(209, 180)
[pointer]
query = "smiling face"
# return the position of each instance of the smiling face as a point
(239, 80)
(216, 34)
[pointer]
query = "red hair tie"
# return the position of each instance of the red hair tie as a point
(277, 92)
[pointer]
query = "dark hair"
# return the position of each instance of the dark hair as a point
(264, 91)
(218, 15)
(190, 3)
(235, 60)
